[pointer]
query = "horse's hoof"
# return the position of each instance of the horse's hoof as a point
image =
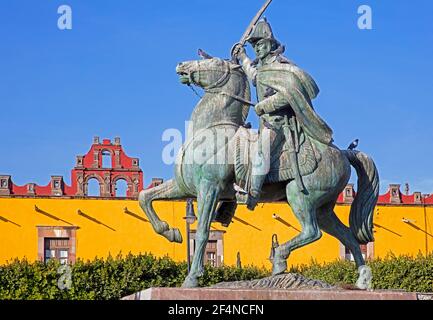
(190, 282)
(279, 267)
(162, 227)
(365, 277)
(176, 235)
(279, 264)
(173, 235)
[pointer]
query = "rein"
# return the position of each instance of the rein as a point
(231, 96)
(195, 91)
(215, 88)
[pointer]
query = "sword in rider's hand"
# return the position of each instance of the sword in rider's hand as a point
(241, 43)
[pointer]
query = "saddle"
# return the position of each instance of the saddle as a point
(281, 169)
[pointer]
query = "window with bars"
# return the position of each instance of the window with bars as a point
(211, 253)
(214, 251)
(57, 248)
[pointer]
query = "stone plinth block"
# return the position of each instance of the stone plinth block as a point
(271, 294)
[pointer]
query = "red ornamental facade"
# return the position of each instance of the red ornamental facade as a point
(392, 197)
(89, 166)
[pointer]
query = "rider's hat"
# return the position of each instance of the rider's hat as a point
(262, 30)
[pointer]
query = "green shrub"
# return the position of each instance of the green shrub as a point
(404, 272)
(337, 272)
(113, 278)
(107, 279)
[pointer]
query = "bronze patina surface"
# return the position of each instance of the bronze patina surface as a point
(293, 158)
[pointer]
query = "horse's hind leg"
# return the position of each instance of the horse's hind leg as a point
(207, 200)
(167, 190)
(329, 222)
(303, 206)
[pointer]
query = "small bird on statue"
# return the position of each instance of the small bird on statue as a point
(203, 54)
(353, 145)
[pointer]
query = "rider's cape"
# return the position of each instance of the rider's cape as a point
(299, 88)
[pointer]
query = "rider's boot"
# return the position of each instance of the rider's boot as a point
(250, 199)
(258, 175)
(257, 181)
(253, 200)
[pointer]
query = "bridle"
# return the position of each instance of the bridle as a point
(218, 83)
(215, 88)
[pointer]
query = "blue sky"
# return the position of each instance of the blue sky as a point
(113, 74)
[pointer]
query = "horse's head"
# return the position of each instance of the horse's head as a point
(207, 73)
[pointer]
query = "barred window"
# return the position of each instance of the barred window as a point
(214, 251)
(57, 248)
(211, 253)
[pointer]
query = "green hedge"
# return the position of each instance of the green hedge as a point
(404, 272)
(112, 278)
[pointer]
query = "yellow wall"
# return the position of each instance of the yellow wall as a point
(250, 234)
(392, 234)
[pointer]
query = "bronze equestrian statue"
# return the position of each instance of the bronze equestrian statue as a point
(293, 158)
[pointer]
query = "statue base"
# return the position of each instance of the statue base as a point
(272, 294)
(287, 286)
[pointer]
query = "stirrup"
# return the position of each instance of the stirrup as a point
(239, 189)
(247, 199)
(241, 198)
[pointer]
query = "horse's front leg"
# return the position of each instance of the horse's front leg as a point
(207, 200)
(167, 190)
(304, 208)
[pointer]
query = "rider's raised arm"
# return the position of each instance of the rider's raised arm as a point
(246, 62)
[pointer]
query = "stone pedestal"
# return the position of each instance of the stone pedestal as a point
(272, 294)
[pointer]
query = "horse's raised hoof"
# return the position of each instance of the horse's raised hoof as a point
(161, 227)
(173, 235)
(190, 282)
(176, 235)
(365, 277)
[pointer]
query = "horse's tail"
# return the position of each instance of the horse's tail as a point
(362, 209)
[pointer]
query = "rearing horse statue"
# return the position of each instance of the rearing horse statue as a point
(208, 166)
